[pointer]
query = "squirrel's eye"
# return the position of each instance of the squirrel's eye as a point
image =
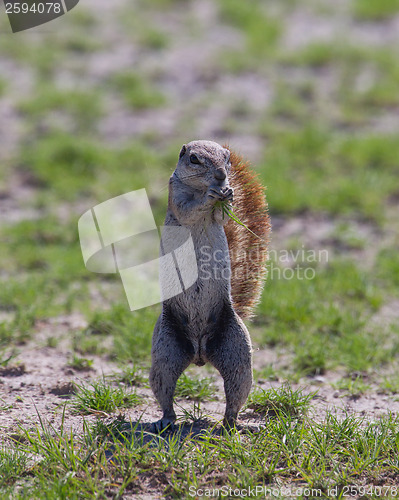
(194, 159)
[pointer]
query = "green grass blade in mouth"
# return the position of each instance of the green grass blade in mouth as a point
(227, 209)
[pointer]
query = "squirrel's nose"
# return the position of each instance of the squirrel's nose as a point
(220, 174)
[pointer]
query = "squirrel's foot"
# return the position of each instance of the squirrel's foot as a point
(230, 424)
(161, 425)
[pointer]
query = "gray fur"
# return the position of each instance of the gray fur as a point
(200, 325)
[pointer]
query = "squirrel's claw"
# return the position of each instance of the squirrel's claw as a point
(221, 194)
(215, 193)
(228, 194)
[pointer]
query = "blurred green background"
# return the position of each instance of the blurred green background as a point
(98, 103)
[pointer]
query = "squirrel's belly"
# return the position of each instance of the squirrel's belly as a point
(202, 309)
(202, 301)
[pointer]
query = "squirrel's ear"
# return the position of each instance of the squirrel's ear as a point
(182, 151)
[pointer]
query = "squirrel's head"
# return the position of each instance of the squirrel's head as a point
(202, 164)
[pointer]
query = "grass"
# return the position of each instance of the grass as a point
(146, 35)
(390, 384)
(325, 318)
(131, 376)
(283, 401)
(195, 389)
(268, 372)
(19, 329)
(353, 386)
(46, 256)
(80, 364)
(261, 33)
(291, 104)
(12, 464)
(37, 244)
(316, 170)
(3, 87)
(317, 55)
(387, 268)
(365, 80)
(43, 61)
(66, 169)
(346, 236)
(101, 397)
(326, 455)
(48, 101)
(67, 165)
(129, 338)
(367, 10)
(136, 91)
(310, 358)
(378, 96)
(131, 331)
(43, 54)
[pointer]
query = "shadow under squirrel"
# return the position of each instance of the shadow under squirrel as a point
(204, 323)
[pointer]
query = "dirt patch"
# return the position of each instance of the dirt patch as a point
(387, 315)
(17, 198)
(63, 389)
(12, 371)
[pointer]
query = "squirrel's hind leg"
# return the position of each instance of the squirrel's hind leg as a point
(169, 359)
(232, 357)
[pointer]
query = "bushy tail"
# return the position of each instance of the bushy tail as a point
(248, 253)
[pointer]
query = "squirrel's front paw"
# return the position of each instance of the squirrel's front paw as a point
(228, 194)
(220, 194)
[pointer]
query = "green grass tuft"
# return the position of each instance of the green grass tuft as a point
(194, 388)
(69, 103)
(130, 375)
(282, 401)
(80, 364)
(354, 386)
(13, 465)
(103, 397)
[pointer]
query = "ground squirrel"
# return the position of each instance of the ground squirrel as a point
(204, 323)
